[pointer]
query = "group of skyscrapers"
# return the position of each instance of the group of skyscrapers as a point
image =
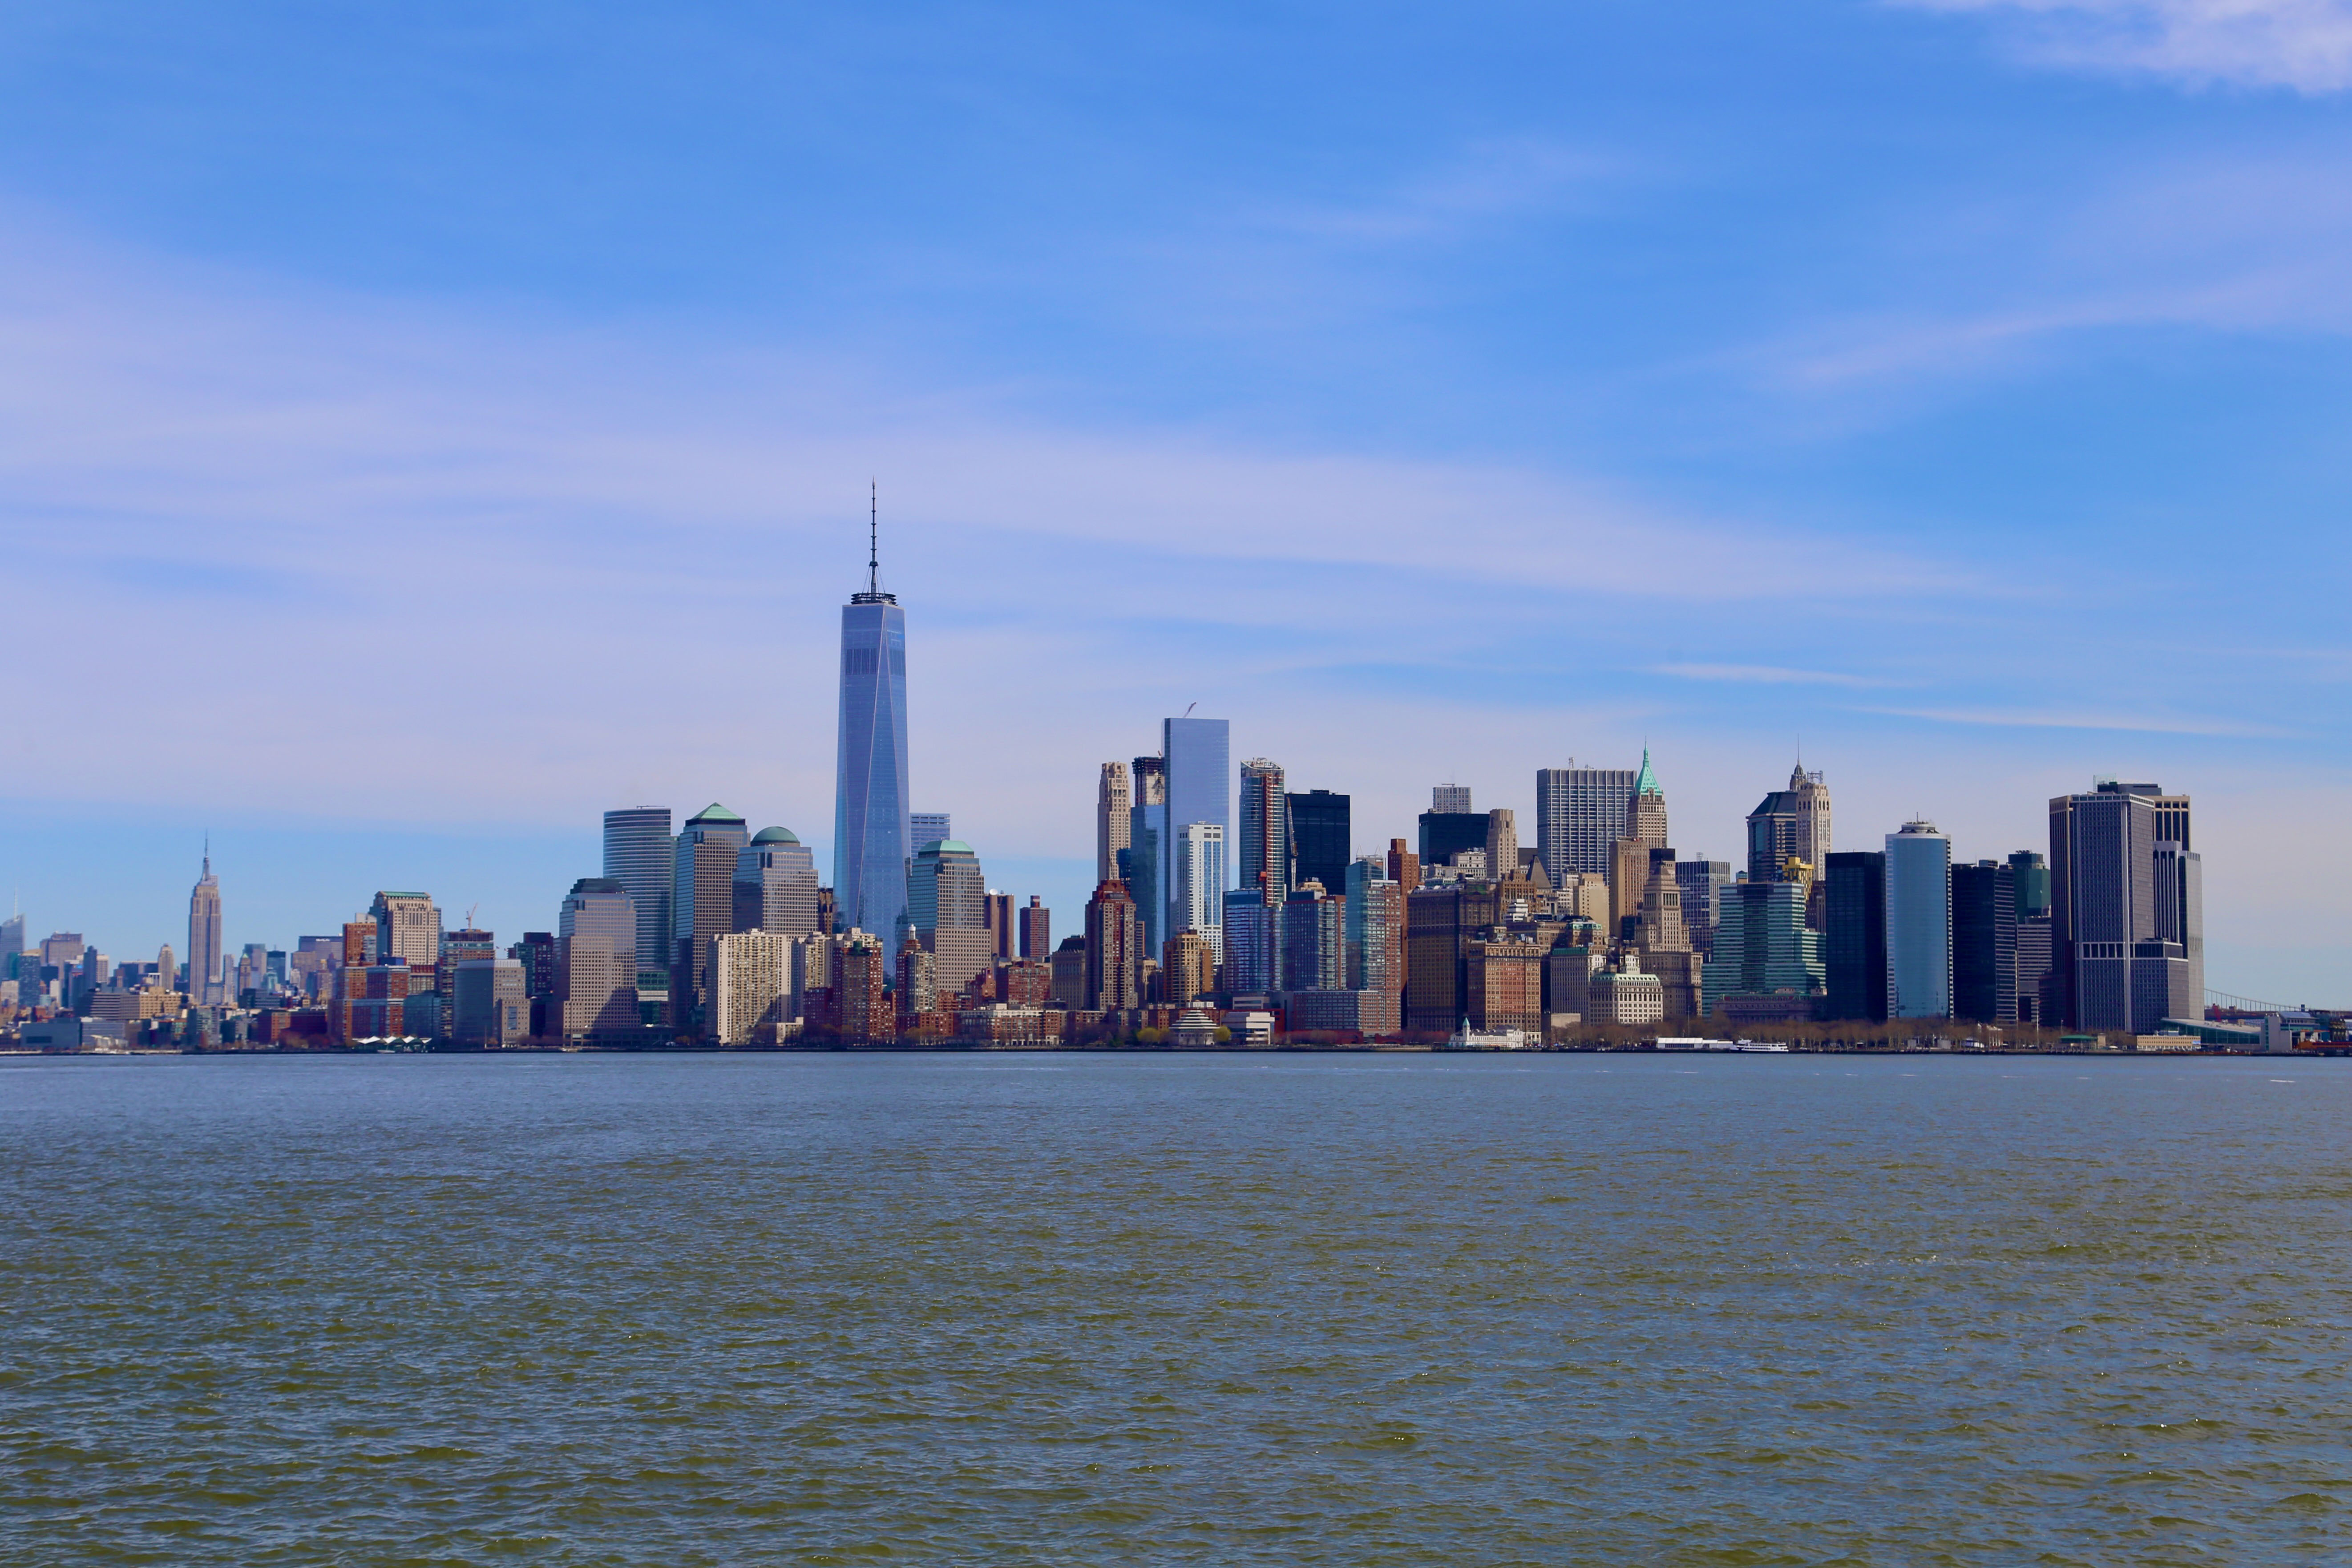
(1222, 894)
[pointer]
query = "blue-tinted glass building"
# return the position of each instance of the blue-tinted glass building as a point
(1196, 757)
(870, 830)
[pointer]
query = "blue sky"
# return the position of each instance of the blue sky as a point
(422, 427)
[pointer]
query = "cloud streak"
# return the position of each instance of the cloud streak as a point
(2302, 44)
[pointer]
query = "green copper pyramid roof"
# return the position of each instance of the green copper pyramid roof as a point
(1647, 783)
(714, 812)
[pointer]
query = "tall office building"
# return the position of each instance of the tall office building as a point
(12, 938)
(1791, 824)
(1445, 834)
(407, 926)
(1645, 808)
(1580, 813)
(1984, 942)
(1200, 884)
(702, 906)
(2120, 957)
(1375, 926)
(639, 849)
(1703, 881)
(871, 842)
(1321, 838)
(996, 908)
(1197, 757)
(776, 885)
(1453, 800)
(1262, 865)
(1112, 802)
(596, 961)
(1918, 923)
(2180, 917)
(1854, 942)
(1113, 957)
(947, 899)
(1248, 937)
(1147, 850)
(1763, 946)
(929, 827)
(467, 946)
(203, 937)
(1502, 845)
(1314, 947)
(1036, 930)
(1404, 865)
(489, 1002)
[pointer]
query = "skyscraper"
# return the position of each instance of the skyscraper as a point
(1200, 883)
(996, 908)
(1248, 937)
(1112, 801)
(2117, 957)
(1790, 824)
(1763, 945)
(1320, 834)
(1375, 923)
(947, 910)
(407, 926)
(1262, 864)
(596, 961)
(1580, 813)
(776, 885)
(1502, 843)
(929, 827)
(870, 828)
(205, 937)
(1703, 881)
(702, 906)
(1197, 754)
(1112, 952)
(1147, 850)
(1984, 942)
(638, 847)
(1646, 807)
(12, 938)
(1036, 930)
(1918, 923)
(1451, 799)
(1855, 942)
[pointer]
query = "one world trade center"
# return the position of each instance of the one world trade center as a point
(869, 811)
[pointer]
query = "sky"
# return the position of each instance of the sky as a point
(425, 426)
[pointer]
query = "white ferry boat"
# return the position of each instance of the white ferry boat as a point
(1701, 1043)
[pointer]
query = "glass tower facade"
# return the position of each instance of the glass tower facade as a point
(870, 828)
(1196, 755)
(638, 850)
(1918, 923)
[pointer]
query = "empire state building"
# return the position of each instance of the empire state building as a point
(870, 830)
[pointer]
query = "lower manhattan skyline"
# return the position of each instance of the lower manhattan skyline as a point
(1965, 474)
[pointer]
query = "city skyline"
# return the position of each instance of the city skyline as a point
(1539, 387)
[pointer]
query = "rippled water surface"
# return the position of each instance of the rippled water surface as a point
(1214, 1309)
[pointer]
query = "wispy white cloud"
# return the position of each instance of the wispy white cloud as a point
(2135, 723)
(1767, 674)
(2306, 45)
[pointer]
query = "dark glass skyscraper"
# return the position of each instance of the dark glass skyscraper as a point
(1854, 958)
(871, 827)
(1984, 941)
(1319, 835)
(639, 849)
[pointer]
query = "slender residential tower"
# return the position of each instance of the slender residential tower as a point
(205, 937)
(870, 845)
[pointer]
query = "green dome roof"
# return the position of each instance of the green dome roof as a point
(775, 836)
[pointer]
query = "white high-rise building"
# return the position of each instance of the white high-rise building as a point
(1580, 814)
(1918, 923)
(1199, 901)
(751, 986)
(1113, 831)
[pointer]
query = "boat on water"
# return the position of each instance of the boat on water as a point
(1701, 1043)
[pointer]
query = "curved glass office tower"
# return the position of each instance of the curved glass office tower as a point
(869, 812)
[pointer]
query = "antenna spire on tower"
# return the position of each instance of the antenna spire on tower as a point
(874, 536)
